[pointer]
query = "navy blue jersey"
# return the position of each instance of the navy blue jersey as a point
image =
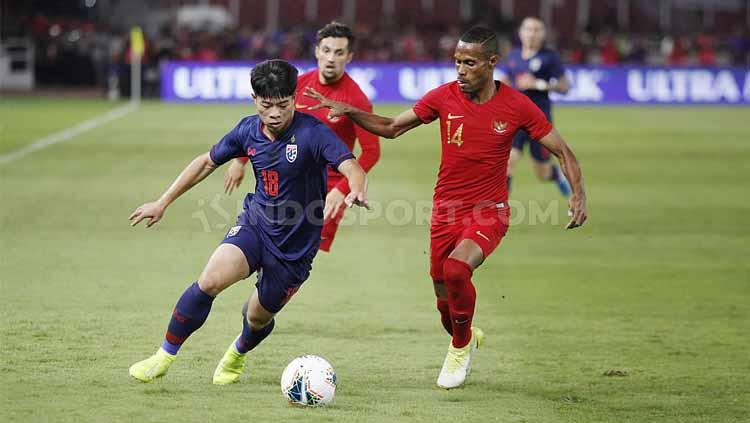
(291, 180)
(545, 64)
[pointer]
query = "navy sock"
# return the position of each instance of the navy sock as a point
(188, 316)
(250, 338)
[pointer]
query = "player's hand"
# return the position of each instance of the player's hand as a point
(577, 212)
(336, 108)
(525, 81)
(334, 203)
(151, 211)
(357, 199)
(234, 176)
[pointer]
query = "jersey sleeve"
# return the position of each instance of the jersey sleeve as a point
(229, 147)
(427, 108)
(557, 70)
(328, 148)
(533, 120)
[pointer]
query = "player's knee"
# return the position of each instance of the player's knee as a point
(258, 322)
(211, 283)
(455, 272)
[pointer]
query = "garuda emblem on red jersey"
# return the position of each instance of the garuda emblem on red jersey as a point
(499, 126)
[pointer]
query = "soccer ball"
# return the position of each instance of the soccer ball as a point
(309, 380)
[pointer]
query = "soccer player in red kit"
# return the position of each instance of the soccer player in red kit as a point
(478, 118)
(333, 51)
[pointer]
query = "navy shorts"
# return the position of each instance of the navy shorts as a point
(538, 151)
(278, 280)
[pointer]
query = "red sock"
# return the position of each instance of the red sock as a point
(461, 299)
(445, 315)
(325, 244)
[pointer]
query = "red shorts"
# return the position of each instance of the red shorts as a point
(486, 227)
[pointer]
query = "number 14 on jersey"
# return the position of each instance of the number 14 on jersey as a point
(455, 137)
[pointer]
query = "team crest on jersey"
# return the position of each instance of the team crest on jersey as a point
(499, 126)
(535, 64)
(234, 230)
(291, 153)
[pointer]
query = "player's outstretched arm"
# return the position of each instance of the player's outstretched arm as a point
(378, 125)
(196, 171)
(357, 189)
(572, 170)
(234, 175)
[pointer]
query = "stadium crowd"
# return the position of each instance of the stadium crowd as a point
(91, 52)
(394, 43)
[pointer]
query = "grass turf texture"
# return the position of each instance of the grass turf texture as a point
(641, 315)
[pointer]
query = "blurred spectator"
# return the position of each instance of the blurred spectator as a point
(447, 43)
(706, 45)
(675, 50)
(608, 48)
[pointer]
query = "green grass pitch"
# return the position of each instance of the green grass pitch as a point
(642, 315)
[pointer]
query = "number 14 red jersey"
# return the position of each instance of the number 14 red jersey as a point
(476, 140)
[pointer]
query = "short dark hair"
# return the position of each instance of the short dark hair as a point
(480, 35)
(336, 30)
(274, 79)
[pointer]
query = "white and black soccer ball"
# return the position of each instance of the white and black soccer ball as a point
(309, 380)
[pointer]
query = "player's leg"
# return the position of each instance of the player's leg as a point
(457, 271)
(226, 266)
(277, 282)
(546, 170)
(477, 241)
(442, 241)
(441, 295)
(257, 324)
(516, 152)
(328, 233)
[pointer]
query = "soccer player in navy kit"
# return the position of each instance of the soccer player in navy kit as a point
(535, 71)
(278, 232)
(333, 51)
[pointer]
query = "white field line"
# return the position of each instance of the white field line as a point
(67, 133)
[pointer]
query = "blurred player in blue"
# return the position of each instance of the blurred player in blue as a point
(535, 71)
(278, 233)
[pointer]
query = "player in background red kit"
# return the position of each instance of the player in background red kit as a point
(478, 118)
(333, 51)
